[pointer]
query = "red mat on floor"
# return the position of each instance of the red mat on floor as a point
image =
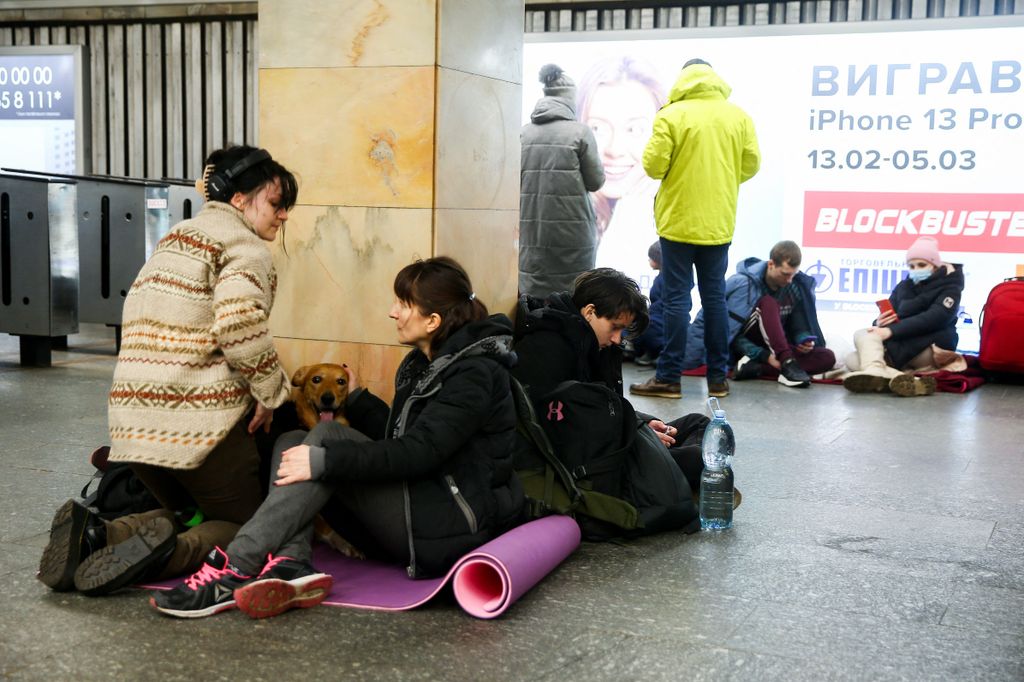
(946, 382)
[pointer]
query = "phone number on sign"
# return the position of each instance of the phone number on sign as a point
(901, 159)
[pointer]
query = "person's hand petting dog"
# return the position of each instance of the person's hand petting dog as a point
(353, 381)
(263, 417)
(295, 466)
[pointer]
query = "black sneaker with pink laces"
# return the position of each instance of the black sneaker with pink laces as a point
(283, 584)
(208, 591)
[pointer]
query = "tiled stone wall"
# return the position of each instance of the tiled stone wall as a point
(401, 119)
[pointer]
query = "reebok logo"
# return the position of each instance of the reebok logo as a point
(220, 592)
(555, 411)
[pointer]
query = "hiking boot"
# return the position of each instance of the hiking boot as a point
(791, 374)
(283, 584)
(123, 564)
(646, 360)
(75, 533)
(858, 382)
(747, 368)
(718, 388)
(209, 590)
(907, 385)
(657, 388)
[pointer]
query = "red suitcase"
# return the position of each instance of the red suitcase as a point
(1002, 328)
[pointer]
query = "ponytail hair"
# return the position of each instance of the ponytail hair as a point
(440, 285)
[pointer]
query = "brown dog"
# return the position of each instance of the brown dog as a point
(320, 393)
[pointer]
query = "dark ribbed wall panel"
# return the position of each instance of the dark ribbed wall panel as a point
(603, 16)
(164, 93)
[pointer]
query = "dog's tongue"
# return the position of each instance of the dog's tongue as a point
(326, 416)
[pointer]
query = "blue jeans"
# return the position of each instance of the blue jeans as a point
(678, 261)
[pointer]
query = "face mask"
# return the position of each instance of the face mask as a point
(920, 275)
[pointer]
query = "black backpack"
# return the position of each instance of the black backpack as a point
(587, 455)
(118, 492)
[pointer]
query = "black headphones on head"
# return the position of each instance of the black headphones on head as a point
(219, 185)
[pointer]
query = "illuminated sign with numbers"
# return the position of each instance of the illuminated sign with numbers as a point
(42, 104)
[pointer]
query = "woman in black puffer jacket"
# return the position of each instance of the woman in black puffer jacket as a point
(429, 479)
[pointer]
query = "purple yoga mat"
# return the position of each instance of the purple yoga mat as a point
(486, 581)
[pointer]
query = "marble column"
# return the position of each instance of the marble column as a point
(401, 119)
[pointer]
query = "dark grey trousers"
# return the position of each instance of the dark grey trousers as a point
(283, 525)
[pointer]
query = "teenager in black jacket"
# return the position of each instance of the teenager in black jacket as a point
(578, 337)
(429, 480)
(922, 322)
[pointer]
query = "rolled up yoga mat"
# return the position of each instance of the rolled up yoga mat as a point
(486, 581)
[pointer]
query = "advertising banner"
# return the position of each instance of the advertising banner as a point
(871, 135)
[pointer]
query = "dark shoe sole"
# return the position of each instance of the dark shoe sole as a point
(866, 383)
(63, 552)
(272, 597)
(907, 385)
(120, 565)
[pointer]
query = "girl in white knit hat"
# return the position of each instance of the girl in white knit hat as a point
(919, 332)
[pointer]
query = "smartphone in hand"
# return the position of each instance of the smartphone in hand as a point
(885, 306)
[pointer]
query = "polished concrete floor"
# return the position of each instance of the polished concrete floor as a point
(880, 538)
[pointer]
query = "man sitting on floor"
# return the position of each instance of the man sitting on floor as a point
(773, 324)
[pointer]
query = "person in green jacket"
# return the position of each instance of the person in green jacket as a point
(702, 147)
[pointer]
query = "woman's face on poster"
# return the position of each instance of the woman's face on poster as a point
(621, 115)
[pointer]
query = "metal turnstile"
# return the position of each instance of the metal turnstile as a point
(183, 201)
(39, 265)
(119, 223)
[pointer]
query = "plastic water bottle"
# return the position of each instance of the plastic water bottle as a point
(716, 481)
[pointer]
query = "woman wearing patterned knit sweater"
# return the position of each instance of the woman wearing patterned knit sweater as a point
(196, 357)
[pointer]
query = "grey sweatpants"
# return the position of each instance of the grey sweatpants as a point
(283, 525)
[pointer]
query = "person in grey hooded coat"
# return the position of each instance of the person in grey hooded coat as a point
(560, 165)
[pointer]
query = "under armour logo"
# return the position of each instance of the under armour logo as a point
(555, 411)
